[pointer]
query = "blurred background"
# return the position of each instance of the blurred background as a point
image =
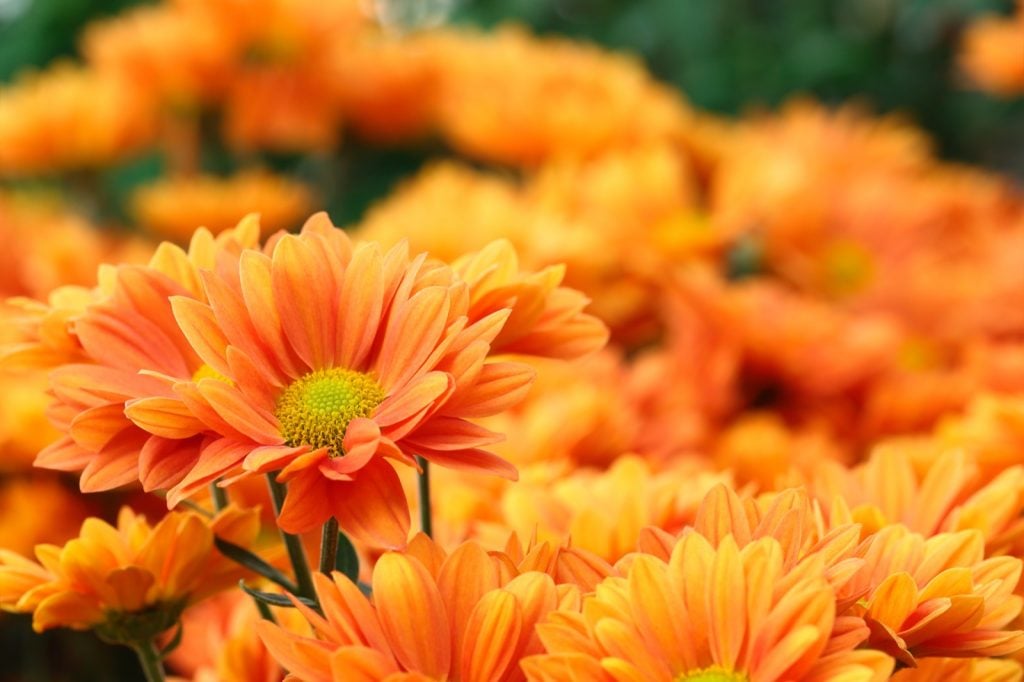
(727, 56)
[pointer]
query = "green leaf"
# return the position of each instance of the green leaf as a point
(244, 557)
(276, 599)
(345, 558)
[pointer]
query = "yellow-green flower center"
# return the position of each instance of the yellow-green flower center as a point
(316, 409)
(712, 674)
(207, 372)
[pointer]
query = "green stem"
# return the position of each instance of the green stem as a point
(297, 554)
(149, 657)
(220, 496)
(423, 481)
(265, 612)
(329, 546)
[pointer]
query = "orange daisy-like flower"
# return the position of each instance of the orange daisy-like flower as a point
(129, 583)
(469, 616)
(130, 345)
(938, 596)
(331, 358)
(708, 614)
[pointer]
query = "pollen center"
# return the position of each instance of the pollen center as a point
(712, 674)
(316, 409)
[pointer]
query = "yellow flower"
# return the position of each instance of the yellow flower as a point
(130, 582)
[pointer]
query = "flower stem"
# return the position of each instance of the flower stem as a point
(219, 495)
(423, 480)
(296, 553)
(149, 657)
(329, 546)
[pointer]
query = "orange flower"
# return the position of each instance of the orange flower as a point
(927, 488)
(171, 52)
(469, 616)
(69, 118)
(337, 357)
(132, 348)
(129, 583)
(557, 98)
(990, 53)
(173, 207)
(938, 596)
(725, 614)
(219, 641)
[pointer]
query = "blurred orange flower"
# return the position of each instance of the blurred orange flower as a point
(173, 208)
(991, 56)
(70, 118)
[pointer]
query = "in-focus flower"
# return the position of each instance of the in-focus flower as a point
(708, 614)
(129, 582)
(468, 616)
(938, 596)
(333, 358)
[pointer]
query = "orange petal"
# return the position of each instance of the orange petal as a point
(372, 508)
(412, 615)
(493, 631)
(167, 417)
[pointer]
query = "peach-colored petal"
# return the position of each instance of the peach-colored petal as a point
(161, 416)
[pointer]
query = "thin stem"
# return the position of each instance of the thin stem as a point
(149, 657)
(329, 546)
(423, 481)
(219, 495)
(296, 553)
(264, 610)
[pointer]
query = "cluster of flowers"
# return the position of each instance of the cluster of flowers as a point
(784, 442)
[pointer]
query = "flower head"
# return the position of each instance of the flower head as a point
(332, 358)
(128, 582)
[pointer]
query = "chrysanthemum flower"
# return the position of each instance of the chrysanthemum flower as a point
(172, 207)
(708, 614)
(546, 105)
(943, 492)
(604, 511)
(938, 596)
(333, 358)
(469, 616)
(129, 583)
(70, 118)
(131, 348)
